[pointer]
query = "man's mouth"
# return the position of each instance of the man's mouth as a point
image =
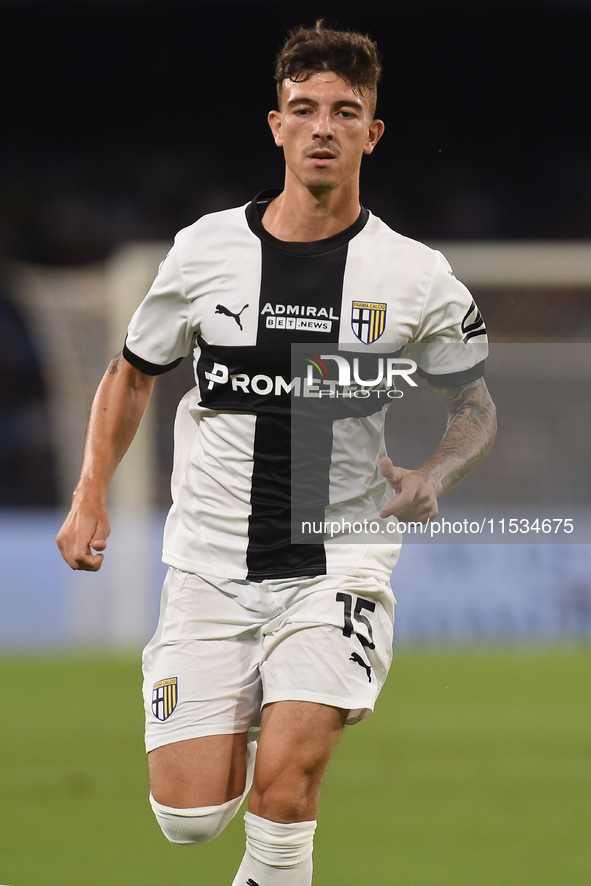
(321, 156)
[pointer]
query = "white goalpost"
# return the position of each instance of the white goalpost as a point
(77, 318)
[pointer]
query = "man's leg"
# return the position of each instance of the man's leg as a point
(199, 772)
(198, 785)
(202, 692)
(297, 740)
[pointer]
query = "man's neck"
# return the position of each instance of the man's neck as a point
(302, 216)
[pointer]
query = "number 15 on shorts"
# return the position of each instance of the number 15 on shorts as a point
(355, 622)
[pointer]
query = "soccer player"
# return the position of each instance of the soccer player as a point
(258, 636)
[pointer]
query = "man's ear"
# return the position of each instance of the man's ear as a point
(274, 120)
(376, 131)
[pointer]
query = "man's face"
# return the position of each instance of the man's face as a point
(324, 129)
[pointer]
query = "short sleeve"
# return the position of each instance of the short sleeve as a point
(451, 344)
(160, 334)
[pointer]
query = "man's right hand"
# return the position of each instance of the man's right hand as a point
(117, 408)
(85, 531)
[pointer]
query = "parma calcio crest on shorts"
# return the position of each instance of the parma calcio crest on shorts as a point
(164, 698)
(368, 320)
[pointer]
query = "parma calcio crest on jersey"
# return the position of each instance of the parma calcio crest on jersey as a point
(368, 320)
(164, 698)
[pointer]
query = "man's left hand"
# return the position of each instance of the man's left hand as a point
(416, 494)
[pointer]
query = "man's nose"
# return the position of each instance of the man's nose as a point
(324, 126)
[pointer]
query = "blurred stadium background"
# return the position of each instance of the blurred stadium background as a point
(124, 120)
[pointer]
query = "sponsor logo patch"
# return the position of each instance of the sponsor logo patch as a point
(299, 323)
(368, 320)
(164, 698)
(307, 317)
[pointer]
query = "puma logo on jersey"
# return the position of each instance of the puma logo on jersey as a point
(222, 309)
(358, 660)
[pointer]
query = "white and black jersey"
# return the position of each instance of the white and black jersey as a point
(239, 299)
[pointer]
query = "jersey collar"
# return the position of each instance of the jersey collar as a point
(254, 214)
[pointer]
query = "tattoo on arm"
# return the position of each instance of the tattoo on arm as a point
(115, 363)
(471, 431)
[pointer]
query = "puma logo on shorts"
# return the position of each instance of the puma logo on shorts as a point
(357, 658)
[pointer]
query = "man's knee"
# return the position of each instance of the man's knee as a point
(286, 799)
(202, 823)
(193, 826)
(297, 739)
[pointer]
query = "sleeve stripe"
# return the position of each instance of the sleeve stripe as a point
(454, 379)
(145, 366)
(481, 331)
(477, 326)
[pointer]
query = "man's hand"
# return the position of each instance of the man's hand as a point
(470, 433)
(416, 498)
(117, 409)
(85, 530)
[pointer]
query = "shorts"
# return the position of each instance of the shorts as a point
(223, 649)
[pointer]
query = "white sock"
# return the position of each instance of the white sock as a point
(205, 823)
(276, 854)
(192, 826)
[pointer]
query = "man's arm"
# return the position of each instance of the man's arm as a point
(471, 431)
(119, 404)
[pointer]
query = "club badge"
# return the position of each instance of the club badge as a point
(164, 698)
(368, 320)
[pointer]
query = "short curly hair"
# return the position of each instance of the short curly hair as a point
(352, 56)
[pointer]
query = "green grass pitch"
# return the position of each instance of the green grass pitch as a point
(475, 770)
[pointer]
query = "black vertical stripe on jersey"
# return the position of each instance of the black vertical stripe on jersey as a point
(300, 282)
(291, 278)
(270, 553)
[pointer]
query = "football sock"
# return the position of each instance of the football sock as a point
(198, 825)
(276, 854)
(202, 823)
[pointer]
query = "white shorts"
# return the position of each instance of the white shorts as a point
(224, 649)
